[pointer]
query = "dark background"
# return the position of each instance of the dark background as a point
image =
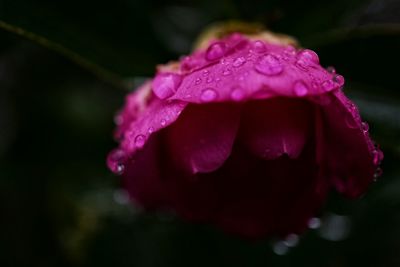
(60, 206)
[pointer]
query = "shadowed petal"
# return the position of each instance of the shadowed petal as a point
(348, 149)
(277, 126)
(202, 138)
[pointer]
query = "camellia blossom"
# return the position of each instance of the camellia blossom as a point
(247, 133)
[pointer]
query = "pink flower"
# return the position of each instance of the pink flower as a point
(247, 134)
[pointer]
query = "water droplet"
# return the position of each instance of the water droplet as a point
(300, 88)
(209, 80)
(208, 95)
(305, 58)
(205, 72)
(328, 85)
(150, 130)
(280, 248)
(309, 56)
(290, 51)
(314, 223)
(116, 160)
(352, 107)
(237, 94)
(269, 65)
(302, 64)
(339, 79)
(291, 240)
(331, 70)
(163, 122)
(239, 62)
(315, 85)
(140, 140)
(198, 81)
(215, 51)
(120, 168)
(227, 72)
(166, 84)
(365, 127)
(259, 46)
(188, 63)
(377, 156)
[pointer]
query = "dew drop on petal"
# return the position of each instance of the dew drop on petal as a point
(166, 84)
(305, 58)
(377, 157)
(239, 62)
(237, 94)
(120, 168)
(331, 70)
(268, 65)
(189, 63)
(215, 51)
(116, 161)
(198, 81)
(208, 95)
(365, 127)
(140, 140)
(328, 85)
(339, 79)
(259, 46)
(300, 88)
(315, 85)
(150, 130)
(163, 122)
(302, 64)
(290, 51)
(227, 72)
(205, 72)
(309, 56)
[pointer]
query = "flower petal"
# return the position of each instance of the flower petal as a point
(250, 73)
(348, 150)
(141, 177)
(267, 196)
(202, 138)
(135, 103)
(277, 126)
(157, 115)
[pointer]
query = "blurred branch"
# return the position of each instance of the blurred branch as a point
(341, 34)
(105, 75)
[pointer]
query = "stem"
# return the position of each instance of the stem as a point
(107, 76)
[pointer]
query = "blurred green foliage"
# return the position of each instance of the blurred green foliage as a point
(59, 204)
